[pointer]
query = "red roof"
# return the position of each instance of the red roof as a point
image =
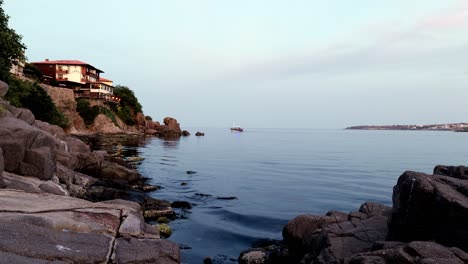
(66, 62)
(104, 80)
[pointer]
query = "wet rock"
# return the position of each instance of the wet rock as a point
(181, 204)
(190, 172)
(164, 230)
(154, 208)
(413, 253)
(183, 184)
(430, 207)
(207, 260)
(199, 134)
(252, 257)
(146, 187)
(203, 195)
(185, 133)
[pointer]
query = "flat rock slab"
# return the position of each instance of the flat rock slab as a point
(47, 228)
(132, 250)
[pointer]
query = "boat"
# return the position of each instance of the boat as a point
(236, 128)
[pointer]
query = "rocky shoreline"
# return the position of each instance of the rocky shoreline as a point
(61, 202)
(427, 224)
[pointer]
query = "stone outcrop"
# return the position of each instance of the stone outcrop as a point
(427, 224)
(65, 101)
(66, 229)
(103, 124)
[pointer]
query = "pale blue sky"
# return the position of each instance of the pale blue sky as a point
(266, 63)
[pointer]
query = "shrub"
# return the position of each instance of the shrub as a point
(89, 113)
(31, 95)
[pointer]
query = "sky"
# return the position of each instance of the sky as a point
(266, 63)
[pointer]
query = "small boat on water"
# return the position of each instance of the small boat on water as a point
(236, 128)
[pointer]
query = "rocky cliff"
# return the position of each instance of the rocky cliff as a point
(61, 202)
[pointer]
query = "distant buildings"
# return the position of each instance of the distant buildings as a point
(80, 76)
(17, 68)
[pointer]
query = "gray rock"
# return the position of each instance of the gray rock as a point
(2, 167)
(416, 252)
(132, 250)
(38, 162)
(32, 184)
(253, 257)
(3, 88)
(430, 207)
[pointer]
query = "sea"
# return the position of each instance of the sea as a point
(248, 185)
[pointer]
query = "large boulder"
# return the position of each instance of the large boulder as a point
(171, 128)
(460, 172)
(3, 88)
(140, 120)
(27, 150)
(430, 207)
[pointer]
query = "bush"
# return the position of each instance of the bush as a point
(126, 115)
(31, 71)
(129, 105)
(31, 95)
(149, 118)
(89, 113)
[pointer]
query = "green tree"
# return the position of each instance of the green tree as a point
(11, 46)
(32, 96)
(129, 105)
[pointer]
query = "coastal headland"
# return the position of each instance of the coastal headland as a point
(457, 127)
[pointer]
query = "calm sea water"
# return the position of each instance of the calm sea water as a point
(277, 174)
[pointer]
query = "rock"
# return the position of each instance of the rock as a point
(3, 88)
(151, 131)
(199, 134)
(170, 128)
(460, 172)
(2, 167)
(32, 184)
(207, 260)
(154, 208)
(24, 114)
(103, 124)
(163, 220)
(27, 150)
(185, 133)
(226, 198)
(44, 228)
(140, 120)
(190, 172)
(430, 207)
(54, 130)
(164, 230)
(181, 204)
(300, 233)
(132, 250)
(183, 184)
(252, 257)
(413, 253)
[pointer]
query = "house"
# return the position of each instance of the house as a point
(80, 76)
(17, 68)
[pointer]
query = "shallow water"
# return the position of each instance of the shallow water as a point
(277, 174)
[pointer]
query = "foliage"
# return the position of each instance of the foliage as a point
(31, 71)
(125, 114)
(31, 95)
(89, 113)
(129, 105)
(149, 118)
(11, 47)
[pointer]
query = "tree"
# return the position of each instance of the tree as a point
(11, 46)
(129, 105)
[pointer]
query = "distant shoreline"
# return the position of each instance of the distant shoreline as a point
(456, 127)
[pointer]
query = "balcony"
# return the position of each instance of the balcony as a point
(62, 71)
(105, 97)
(62, 79)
